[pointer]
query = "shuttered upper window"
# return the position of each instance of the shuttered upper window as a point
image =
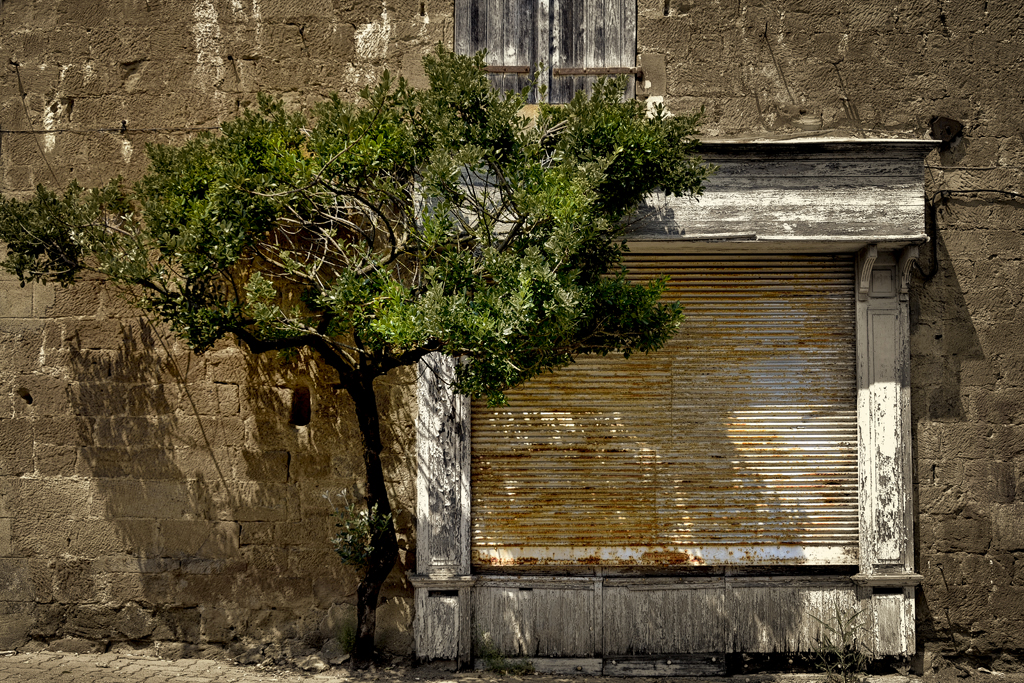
(577, 41)
(736, 443)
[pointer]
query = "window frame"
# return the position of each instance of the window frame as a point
(603, 44)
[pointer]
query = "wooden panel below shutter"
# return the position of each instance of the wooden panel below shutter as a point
(735, 444)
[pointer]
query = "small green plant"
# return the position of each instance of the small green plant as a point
(358, 529)
(841, 651)
(346, 635)
(495, 660)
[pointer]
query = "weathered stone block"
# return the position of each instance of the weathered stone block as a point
(189, 430)
(63, 431)
(317, 562)
(19, 584)
(989, 482)
(177, 623)
(17, 300)
(999, 406)
(263, 465)
(183, 367)
(99, 537)
(970, 532)
(79, 646)
(220, 625)
(48, 620)
(199, 539)
(95, 622)
(314, 532)
(152, 589)
(38, 498)
(56, 461)
(328, 591)
(266, 560)
(151, 464)
(273, 624)
(133, 622)
(394, 625)
(94, 334)
(126, 498)
(966, 440)
(256, 533)
(228, 366)
(77, 301)
(256, 502)
(73, 581)
(1008, 440)
(941, 500)
(16, 445)
(1008, 527)
(5, 537)
(1007, 602)
(310, 464)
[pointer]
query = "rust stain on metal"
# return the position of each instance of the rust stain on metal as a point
(736, 443)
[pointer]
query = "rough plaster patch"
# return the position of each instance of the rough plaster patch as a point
(205, 32)
(126, 151)
(372, 39)
(49, 121)
(653, 101)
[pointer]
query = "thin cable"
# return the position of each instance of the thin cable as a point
(28, 120)
(933, 213)
(776, 62)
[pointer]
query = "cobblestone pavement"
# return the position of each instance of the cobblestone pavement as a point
(59, 667)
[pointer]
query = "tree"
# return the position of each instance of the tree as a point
(374, 234)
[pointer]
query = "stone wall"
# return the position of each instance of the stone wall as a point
(147, 495)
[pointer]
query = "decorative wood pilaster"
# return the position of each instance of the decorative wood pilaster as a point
(886, 577)
(442, 581)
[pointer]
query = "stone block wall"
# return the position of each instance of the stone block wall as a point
(148, 495)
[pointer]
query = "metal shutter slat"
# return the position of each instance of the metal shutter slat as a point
(736, 443)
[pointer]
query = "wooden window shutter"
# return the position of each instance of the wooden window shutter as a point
(734, 444)
(577, 40)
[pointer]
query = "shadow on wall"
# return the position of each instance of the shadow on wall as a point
(186, 510)
(948, 362)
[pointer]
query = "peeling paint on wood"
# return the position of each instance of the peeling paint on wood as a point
(536, 621)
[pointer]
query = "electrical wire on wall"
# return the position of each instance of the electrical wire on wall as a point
(933, 200)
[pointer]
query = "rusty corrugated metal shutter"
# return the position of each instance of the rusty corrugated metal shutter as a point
(736, 443)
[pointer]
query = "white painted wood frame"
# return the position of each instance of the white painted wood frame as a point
(862, 196)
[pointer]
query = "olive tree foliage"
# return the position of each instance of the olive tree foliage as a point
(374, 233)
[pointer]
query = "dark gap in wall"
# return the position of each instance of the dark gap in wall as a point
(423, 9)
(301, 407)
(666, 7)
(443, 594)
(25, 395)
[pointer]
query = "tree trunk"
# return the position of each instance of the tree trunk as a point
(385, 545)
